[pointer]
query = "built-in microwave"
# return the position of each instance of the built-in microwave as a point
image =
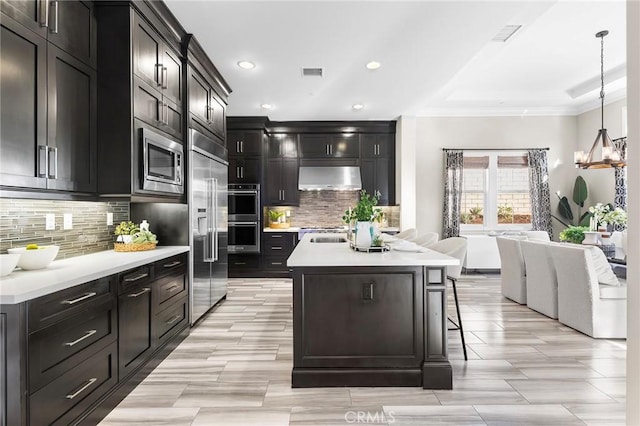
(244, 202)
(162, 163)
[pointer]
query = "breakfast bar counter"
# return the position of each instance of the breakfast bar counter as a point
(368, 319)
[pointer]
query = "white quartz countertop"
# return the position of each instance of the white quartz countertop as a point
(290, 229)
(20, 286)
(307, 253)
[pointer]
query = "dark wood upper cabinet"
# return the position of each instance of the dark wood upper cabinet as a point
(378, 174)
(283, 145)
(245, 143)
(281, 177)
(376, 146)
(72, 27)
(147, 52)
(207, 110)
(23, 133)
(172, 79)
(329, 146)
(33, 14)
(48, 139)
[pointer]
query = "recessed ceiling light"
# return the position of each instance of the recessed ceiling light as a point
(373, 65)
(358, 107)
(247, 65)
(266, 106)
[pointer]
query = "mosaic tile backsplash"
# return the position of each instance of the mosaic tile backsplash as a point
(325, 209)
(22, 222)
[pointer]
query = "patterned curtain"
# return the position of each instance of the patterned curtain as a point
(620, 199)
(539, 190)
(453, 166)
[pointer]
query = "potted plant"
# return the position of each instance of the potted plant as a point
(125, 231)
(573, 234)
(132, 237)
(277, 219)
(363, 215)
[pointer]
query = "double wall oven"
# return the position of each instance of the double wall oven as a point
(244, 218)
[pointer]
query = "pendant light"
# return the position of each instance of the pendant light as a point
(611, 156)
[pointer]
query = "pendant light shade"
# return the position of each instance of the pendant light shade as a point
(611, 156)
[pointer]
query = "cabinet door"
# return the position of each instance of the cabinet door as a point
(134, 327)
(217, 116)
(289, 182)
(282, 145)
(244, 170)
(385, 181)
(33, 14)
(23, 136)
(344, 146)
(72, 27)
(368, 174)
(245, 143)
(173, 118)
(147, 104)
(315, 146)
(147, 53)
(172, 76)
(198, 98)
(273, 182)
(72, 123)
(377, 146)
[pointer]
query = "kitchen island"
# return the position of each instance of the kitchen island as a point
(368, 319)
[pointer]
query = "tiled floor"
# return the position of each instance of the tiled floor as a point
(523, 368)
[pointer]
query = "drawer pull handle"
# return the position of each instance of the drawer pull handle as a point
(276, 236)
(172, 288)
(276, 248)
(174, 319)
(140, 293)
(88, 334)
(276, 263)
(82, 389)
(137, 277)
(240, 263)
(172, 264)
(79, 299)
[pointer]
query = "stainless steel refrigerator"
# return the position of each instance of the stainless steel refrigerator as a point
(207, 198)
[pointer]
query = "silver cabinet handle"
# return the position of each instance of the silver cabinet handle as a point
(79, 299)
(276, 236)
(172, 264)
(137, 277)
(53, 150)
(172, 320)
(88, 334)
(172, 288)
(165, 74)
(43, 160)
(276, 263)
(241, 146)
(54, 30)
(238, 146)
(326, 149)
(166, 115)
(83, 388)
(241, 172)
(276, 248)
(140, 293)
(159, 75)
(44, 13)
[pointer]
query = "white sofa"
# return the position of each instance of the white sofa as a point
(542, 282)
(585, 304)
(512, 272)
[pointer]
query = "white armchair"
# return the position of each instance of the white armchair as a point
(595, 309)
(426, 239)
(537, 235)
(542, 282)
(512, 272)
(407, 234)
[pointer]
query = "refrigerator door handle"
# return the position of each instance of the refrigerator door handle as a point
(208, 249)
(214, 214)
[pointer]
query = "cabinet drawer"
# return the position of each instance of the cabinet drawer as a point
(171, 320)
(170, 265)
(272, 263)
(278, 242)
(168, 289)
(57, 348)
(134, 277)
(65, 398)
(244, 262)
(64, 304)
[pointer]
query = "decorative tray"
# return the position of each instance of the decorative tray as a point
(130, 247)
(371, 249)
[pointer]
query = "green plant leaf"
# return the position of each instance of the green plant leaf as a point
(585, 220)
(565, 209)
(580, 191)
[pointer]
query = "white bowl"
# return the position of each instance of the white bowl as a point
(35, 259)
(8, 263)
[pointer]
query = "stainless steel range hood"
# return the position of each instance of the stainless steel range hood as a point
(343, 178)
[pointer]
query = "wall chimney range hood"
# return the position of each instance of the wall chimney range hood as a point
(343, 178)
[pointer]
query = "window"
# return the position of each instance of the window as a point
(495, 191)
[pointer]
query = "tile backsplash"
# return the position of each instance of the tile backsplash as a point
(325, 208)
(22, 222)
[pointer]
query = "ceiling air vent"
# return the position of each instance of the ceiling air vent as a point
(312, 72)
(506, 33)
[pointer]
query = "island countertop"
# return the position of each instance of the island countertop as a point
(309, 254)
(21, 286)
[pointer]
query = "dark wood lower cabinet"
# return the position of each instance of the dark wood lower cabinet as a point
(71, 356)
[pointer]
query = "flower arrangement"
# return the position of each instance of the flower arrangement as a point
(365, 210)
(605, 214)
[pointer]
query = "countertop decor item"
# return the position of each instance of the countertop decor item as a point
(363, 214)
(34, 257)
(8, 263)
(277, 219)
(369, 249)
(574, 234)
(134, 238)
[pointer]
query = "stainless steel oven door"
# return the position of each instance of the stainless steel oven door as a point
(244, 204)
(244, 237)
(162, 161)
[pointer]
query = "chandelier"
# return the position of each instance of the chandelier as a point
(611, 156)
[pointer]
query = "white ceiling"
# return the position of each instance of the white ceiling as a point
(437, 57)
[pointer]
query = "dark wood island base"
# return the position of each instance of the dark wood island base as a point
(370, 326)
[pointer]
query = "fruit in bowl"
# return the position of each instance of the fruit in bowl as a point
(8, 263)
(35, 257)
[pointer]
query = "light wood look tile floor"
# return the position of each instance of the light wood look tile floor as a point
(523, 368)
